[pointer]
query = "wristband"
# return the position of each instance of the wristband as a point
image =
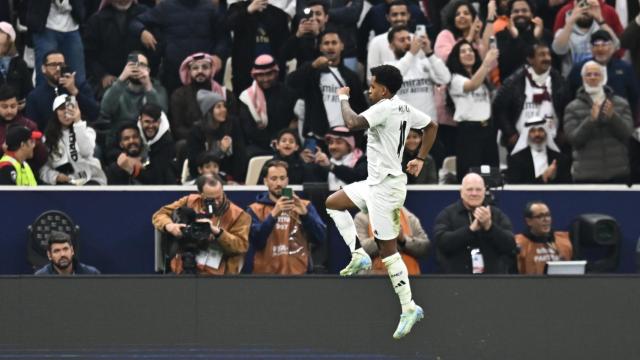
(601, 22)
(419, 158)
(343, 97)
(429, 54)
(490, 21)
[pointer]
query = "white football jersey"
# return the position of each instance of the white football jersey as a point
(389, 123)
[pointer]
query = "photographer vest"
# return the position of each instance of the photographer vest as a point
(287, 248)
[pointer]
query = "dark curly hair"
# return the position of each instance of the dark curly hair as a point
(449, 17)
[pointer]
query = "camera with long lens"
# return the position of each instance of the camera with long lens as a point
(195, 237)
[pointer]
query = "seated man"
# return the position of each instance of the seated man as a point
(282, 227)
(227, 234)
(413, 242)
(473, 238)
(536, 158)
(62, 258)
(158, 144)
(18, 148)
(347, 163)
(539, 244)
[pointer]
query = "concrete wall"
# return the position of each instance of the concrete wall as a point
(466, 318)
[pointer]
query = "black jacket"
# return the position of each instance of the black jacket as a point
(78, 269)
(454, 241)
(520, 168)
(306, 82)
(38, 11)
(510, 99)
(514, 50)
(245, 27)
(107, 45)
(19, 77)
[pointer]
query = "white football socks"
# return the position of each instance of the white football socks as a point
(346, 226)
(399, 276)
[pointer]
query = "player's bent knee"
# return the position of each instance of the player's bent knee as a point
(338, 201)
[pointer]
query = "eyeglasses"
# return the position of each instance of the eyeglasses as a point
(55, 64)
(541, 216)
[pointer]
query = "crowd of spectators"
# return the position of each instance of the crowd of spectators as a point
(154, 92)
(99, 92)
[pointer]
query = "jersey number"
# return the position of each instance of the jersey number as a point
(403, 129)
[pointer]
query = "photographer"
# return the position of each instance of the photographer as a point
(215, 249)
(471, 237)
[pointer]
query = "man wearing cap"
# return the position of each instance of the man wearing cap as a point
(18, 148)
(347, 164)
(196, 73)
(536, 157)
(621, 77)
(571, 40)
(266, 107)
(534, 90)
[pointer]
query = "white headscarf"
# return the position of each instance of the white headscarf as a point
(534, 122)
(595, 92)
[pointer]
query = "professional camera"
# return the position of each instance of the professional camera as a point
(493, 180)
(195, 236)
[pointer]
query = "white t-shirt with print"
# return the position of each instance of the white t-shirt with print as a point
(389, 123)
(329, 87)
(470, 106)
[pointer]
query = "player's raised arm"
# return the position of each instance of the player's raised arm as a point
(352, 120)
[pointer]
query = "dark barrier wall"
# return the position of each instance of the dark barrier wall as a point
(117, 235)
(466, 318)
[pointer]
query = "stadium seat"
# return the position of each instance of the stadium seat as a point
(255, 167)
(51, 220)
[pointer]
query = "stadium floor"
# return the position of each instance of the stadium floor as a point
(179, 353)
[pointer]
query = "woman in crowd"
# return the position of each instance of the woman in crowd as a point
(471, 97)
(71, 144)
(218, 133)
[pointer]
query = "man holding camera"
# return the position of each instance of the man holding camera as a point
(60, 80)
(282, 227)
(216, 249)
(472, 237)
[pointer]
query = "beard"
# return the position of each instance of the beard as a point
(133, 150)
(63, 263)
(399, 53)
(522, 23)
(585, 22)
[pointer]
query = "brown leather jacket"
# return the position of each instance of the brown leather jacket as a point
(234, 239)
